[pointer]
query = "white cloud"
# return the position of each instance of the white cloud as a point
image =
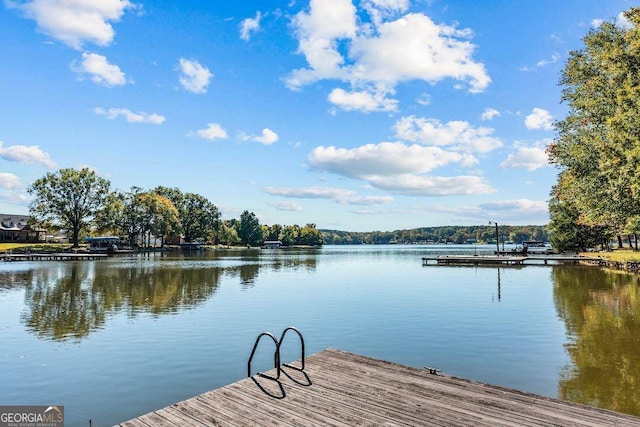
(212, 131)
(543, 62)
(518, 210)
(318, 33)
(363, 101)
(424, 99)
(9, 181)
(387, 158)
(309, 192)
(456, 135)
(366, 200)
(415, 48)
(623, 22)
(286, 206)
(399, 168)
(15, 197)
(382, 9)
(75, 22)
(339, 195)
(527, 157)
(268, 137)
(375, 59)
(100, 70)
(27, 155)
(195, 77)
(539, 119)
(131, 117)
(489, 114)
(521, 211)
(249, 26)
(419, 185)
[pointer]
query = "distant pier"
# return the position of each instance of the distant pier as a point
(54, 256)
(508, 259)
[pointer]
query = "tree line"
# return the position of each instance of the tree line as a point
(82, 203)
(445, 234)
(597, 149)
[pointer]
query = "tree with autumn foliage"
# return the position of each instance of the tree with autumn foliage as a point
(598, 145)
(160, 215)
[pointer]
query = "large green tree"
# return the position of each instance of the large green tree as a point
(310, 236)
(126, 213)
(249, 229)
(160, 216)
(227, 234)
(71, 199)
(598, 143)
(199, 218)
(569, 234)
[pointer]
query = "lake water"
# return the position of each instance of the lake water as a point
(113, 339)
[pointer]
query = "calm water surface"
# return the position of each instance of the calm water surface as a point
(113, 339)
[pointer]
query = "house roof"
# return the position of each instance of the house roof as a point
(9, 222)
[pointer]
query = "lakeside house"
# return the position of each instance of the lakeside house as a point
(16, 228)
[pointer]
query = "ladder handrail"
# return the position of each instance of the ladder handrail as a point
(276, 356)
(292, 328)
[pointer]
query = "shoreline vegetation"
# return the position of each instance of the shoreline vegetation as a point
(596, 198)
(622, 259)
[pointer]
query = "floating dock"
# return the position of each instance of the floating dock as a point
(343, 389)
(54, 256)
(509, 259)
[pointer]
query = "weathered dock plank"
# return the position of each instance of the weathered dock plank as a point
(179, 418)
(452, 395)
(199, 410)
(136, 422)
(343, 389)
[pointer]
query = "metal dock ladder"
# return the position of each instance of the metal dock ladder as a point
(276, 354)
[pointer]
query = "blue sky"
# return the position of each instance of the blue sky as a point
(353, 115)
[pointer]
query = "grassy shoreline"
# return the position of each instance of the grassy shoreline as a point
(66, 247)
(35, 247)
(618, 255)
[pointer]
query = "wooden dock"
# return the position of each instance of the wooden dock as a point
(344, 389)
(508, 259)
(54, 256)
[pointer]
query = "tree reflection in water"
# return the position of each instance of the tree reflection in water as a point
(601, 310)
(76, 300)
(71, 300)
(14, 279)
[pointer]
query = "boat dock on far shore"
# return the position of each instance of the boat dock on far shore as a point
(509, 259)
